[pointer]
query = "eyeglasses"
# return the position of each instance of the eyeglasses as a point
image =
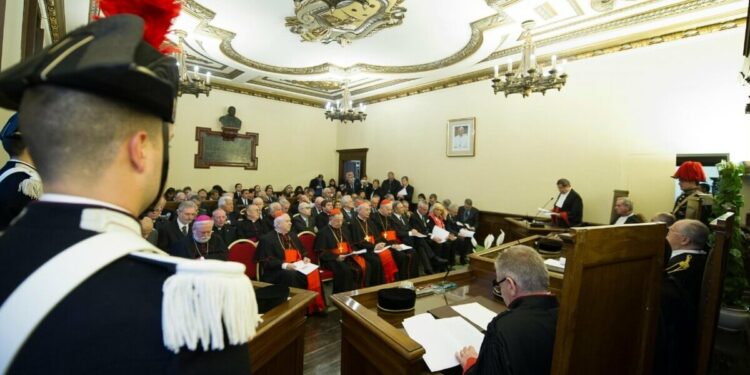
(497, 283)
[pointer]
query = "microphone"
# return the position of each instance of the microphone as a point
(536, 224)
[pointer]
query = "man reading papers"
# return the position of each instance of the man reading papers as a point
(519, 340)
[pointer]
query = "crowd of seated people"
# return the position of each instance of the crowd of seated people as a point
(352, 215)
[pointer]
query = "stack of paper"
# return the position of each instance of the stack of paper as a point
(476, 313)
(401, 247)
(555, 264)
(465, 233)
(442, 338)
(417, 234)
(305, 268)
(356, 252)
(440, 233)
(382, 250)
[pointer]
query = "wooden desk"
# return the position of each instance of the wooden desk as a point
(279, 346)
(374, 342)
(521, 228)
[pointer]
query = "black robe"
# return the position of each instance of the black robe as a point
(111, 323)
(572, 209)
(189, 248)
(347, 275)
(408, 266)
(251, 230)
(520, 340)
(227, 233)
(359, 229)
(270, 255)
(12, 200)
(299, 225)
(680, 206)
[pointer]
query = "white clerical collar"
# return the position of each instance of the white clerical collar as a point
(680, 252)
(113, 218)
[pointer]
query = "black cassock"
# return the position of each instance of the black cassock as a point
(358, 230)
(408, 264)
(251, 230)
(347, 275)
(270, 255)
(191, 249)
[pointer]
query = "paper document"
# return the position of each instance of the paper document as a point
(401, 193)
(442, 338)
(465, 233)
(440, 233)
(476, 313)
(460, 224)
(358, 252)
(401, 247)
(557, 265)
(417, 234)
(305, 268)
(382, 250)
(543, 212)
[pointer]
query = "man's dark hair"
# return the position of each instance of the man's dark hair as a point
(564, 182)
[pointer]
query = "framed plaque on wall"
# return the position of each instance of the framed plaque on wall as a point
(217, 148)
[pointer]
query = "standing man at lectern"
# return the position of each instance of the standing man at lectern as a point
(568, 209)
(519, 340)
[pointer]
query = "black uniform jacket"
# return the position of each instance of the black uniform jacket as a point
(111, 323)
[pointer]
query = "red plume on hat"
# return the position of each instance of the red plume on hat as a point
(690, 171)
(157, 16)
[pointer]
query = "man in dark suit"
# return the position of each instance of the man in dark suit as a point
(568, 209)
(420, 224)
(303, 222)
(406, 192)
(468, 215)
(227, 232)
(100, 105)
(246, 199)
(226, 203)
(390, 185)
(352, 185)
(317, 184)
(680, 291)
(237, 195)
(202, 243)
(624, 210)
(321, 219)
(179, 229)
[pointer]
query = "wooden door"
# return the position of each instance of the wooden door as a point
(354, 160)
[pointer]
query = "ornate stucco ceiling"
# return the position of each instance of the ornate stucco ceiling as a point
(251, 46)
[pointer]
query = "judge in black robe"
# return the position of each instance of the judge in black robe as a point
(568, 208)
(347, 274)
(520, 340)
(359, 229)
(271, 256)
(382, 224)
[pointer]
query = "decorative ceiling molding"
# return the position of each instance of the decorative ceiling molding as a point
(55, 19)
(266, 95)
(320, 21)
(619, 45)
(649, 16)
(205, 16)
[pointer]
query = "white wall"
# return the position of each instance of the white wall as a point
(616, 125)
(296, 142)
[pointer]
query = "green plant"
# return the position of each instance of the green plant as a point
(728, 197)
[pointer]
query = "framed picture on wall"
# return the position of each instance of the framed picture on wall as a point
(460, 137)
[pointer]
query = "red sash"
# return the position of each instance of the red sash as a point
(389, 265)
(563, 216)
(389, 235)
(313, 282)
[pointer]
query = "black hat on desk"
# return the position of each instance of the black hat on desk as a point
(108, 57)
(549, 245)
(271, 296)
(396, 300)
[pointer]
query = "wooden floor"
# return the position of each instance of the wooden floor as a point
(323, 344)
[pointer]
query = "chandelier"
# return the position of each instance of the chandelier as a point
(345, 113)
(530, 77)
(190, 82)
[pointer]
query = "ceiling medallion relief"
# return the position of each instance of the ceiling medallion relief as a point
(343, 21)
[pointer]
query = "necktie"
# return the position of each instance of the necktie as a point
(184, 230)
